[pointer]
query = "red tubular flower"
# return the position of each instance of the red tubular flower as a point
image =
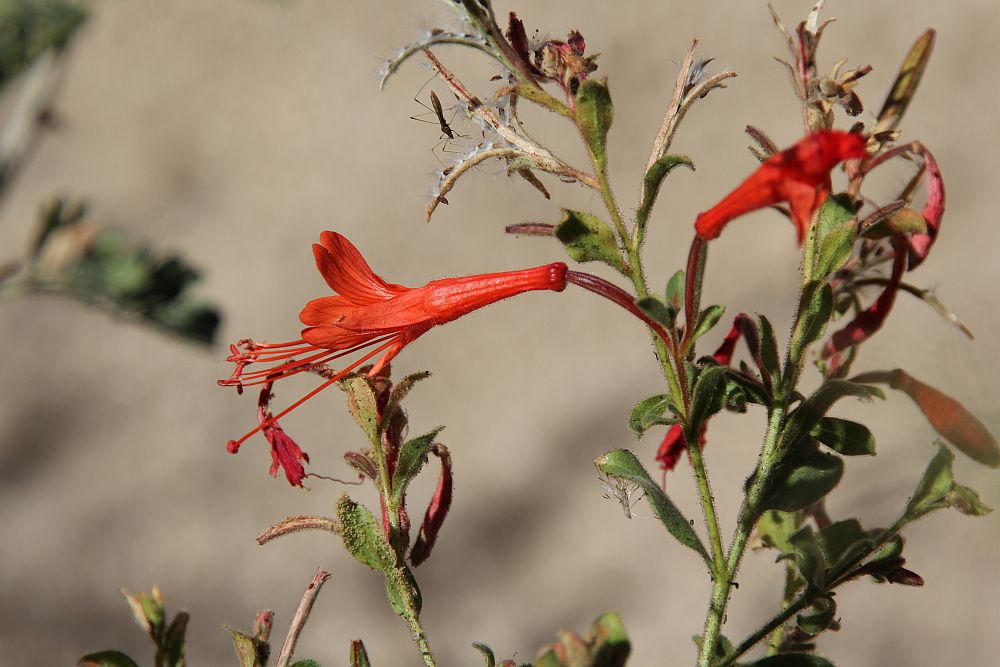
(799, 175)
(371, 313)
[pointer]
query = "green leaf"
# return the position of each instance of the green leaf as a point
(769, 351)
(306, 663)
(594, 113)
(804, 476)
(815, 309)
(399, 391)
(793, 660)
(106, 659)
(823, 617)
(654, 178)
(250, 651)
(807, 416)
(610, 645)
(844, 541)
(623, 464)
(844, 436)
(359, 654)
(486, 652)
(835, 233)
(647, 412)
(412, 456)
(362, 404)
(589, 239)
(707, 319)
(809, 557)
(363, 536)
(722, 648)
(654, 306)
(937, 489)
(707, 398)
(774, 528)
(403, 593)
(675, 292)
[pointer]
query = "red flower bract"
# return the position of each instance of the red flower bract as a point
(371, 313)
(799, 176)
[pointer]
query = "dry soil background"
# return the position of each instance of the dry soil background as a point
(236, 130)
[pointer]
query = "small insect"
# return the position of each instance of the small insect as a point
(437, 111)
(623, 491)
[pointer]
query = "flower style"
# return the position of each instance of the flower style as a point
(799, 175)
(368, 312)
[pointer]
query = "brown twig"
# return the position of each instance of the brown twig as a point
(301, 615)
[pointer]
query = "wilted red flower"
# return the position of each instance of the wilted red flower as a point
(371, 313)
(799, 176)
(285, 453)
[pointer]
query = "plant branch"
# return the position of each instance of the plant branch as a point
(301, 616)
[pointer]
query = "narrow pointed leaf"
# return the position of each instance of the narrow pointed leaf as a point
(594, 113)
(623, 464)
(707, 398)
(359, 654)
(707, 320)
(412, 457)
(654, 178)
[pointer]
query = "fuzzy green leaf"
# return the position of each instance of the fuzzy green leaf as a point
(808, 556)
(486, 652)
(675, 292)
(803, 477)
(588, 239)
(937, 489)
(822, 617)
(306, 663)
(647, 412)
(363, 536)
(654, 178)
(403, 593)
(844, 436)
(809, 413)
(594, 113)
(707, 319)
(412, 456)
(654, 306)
(815, 309)
(835, 231)
(843, 541)
(769, 351)
(707, 398)
(362, 404)
(623, 464)
(250, 651)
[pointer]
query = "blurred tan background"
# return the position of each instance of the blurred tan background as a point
(235, 131)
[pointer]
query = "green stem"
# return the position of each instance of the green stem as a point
(747, 520)
(763, 631)
(708, 506)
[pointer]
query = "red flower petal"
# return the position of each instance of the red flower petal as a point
(799, 175)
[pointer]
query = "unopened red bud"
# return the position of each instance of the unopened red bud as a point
(950, 418)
